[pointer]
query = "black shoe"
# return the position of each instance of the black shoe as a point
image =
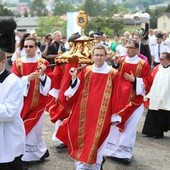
(25, 165)
(126, 161)
(148, 135)
(104, 160)
(61, 146)
(46, 155)
(157, 137)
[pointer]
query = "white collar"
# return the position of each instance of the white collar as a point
(105, 68)
(132, 60)
(30, 59)
(2, 71)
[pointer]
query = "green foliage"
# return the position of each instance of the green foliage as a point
(25, 1)
(50, 24)
(18, 15)
(25, 13)
(110, 9)
(5, 12)
(141, 5)
(168, 9)
(61, 8)
(93, 7)
(38, 8)
(102, 8)
(154, 14)
(107, 25)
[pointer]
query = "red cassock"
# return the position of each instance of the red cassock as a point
(35, 102)
(126, 100)
(89, 122)
(60, 109)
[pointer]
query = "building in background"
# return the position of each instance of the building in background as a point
(26, 24)
(163, 22)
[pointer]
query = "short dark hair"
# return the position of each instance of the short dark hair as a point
(2, 55)
(99, 47)
(132, 40)
(167, 54)
(116, 35)
(47, 35)
(21, 43)
(63, 37)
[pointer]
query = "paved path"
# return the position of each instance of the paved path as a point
(149, 154)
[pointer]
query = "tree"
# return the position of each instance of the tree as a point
(154, 15)
(38, 8)
(107, 25)
(61, 7)
(50, 24)
(93, 7)
(111, 8)
(25, 13)
(24, 1)
(168, 8)
(5, 12)
(141, 5)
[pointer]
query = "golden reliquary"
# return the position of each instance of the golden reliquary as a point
(80, 48)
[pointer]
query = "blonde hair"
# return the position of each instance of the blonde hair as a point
(2, 55)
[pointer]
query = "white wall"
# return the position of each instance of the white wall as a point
(72, 26)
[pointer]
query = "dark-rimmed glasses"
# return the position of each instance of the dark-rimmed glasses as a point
(29, 46)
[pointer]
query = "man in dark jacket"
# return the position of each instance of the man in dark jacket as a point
(143, 47)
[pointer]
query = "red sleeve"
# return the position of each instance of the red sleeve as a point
(58, 74)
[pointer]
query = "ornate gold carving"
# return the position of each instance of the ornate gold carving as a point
(82, 19)
(80, 49)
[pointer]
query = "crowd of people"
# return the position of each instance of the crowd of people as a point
(95, 108)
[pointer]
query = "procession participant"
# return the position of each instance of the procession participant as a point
(158, 116)
(157, 49)
(33, 71)
(19, 51)
(144, 48)
(134, 80)
(87, 127)
(58, 107)
(12, 130)
(153, 37)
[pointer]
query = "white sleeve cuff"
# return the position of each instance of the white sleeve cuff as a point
(116, 118)
(45, 89)
(54, 92)
(140, 87)
(26, 85)
(71, 91)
